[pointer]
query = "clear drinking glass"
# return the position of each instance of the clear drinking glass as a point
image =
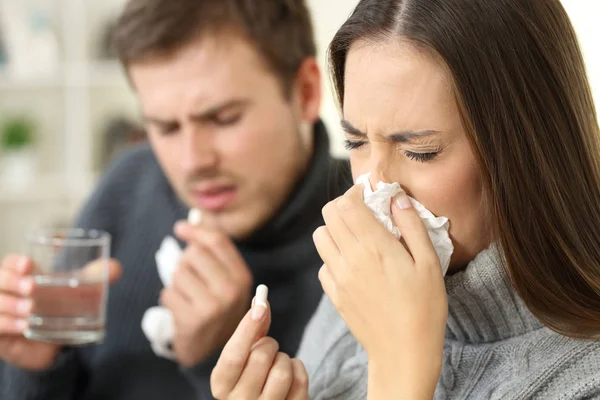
(70, 286)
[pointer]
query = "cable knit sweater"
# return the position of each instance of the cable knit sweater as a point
(494, 348)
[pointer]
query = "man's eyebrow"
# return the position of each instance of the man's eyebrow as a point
(400, 136)
(204, 115)
(212, 111)
(159, 121)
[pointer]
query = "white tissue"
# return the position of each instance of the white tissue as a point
(380, 203)
(157, 323)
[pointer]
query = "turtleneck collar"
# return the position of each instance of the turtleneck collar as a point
(288, 235)
(307, 199)
(483, 307)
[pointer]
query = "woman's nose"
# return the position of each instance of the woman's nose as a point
(379, 168)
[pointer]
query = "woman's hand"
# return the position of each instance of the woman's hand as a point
(251, 366)
(391, 295)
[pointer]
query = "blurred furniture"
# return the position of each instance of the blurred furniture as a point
(73, 109)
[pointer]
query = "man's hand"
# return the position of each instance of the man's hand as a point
(16, 288)
(209, 294)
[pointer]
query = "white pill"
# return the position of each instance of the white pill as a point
(262, 292)
(194, 217)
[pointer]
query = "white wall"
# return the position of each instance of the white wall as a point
(328, 15)
(584, 15)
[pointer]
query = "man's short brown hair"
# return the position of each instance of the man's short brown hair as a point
(280, 30)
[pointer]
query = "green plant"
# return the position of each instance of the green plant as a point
(17, 133)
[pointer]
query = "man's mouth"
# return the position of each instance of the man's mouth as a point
(214, 198)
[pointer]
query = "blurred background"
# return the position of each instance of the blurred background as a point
(66, 109)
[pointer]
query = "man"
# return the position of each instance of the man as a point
(230, 92)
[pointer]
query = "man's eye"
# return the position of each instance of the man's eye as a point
(167, 131)
(350, 145)
(229, 120)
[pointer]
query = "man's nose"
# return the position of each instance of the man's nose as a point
(197, 152)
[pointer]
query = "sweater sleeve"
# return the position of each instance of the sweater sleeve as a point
(336, 363)
(56, 383)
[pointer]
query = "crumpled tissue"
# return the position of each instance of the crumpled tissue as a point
(379, 202)
(157, 323)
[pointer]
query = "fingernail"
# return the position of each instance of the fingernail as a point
(24, 307)
(25, 286)
(259, 304)
(21, 324)
(402, 200)
(23, 262)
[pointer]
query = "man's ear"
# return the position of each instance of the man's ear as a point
(307, 90)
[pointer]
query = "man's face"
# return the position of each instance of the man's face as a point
(226, 136)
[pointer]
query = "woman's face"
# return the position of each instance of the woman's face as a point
(402, 125)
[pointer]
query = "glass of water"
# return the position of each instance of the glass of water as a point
(70, 286)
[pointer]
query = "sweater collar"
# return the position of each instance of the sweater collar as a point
(297, 216)
(483, 306)
(288, 235)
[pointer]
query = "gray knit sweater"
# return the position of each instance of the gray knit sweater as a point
(494, 349)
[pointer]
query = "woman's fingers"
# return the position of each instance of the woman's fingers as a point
(413, 230)
(233, 358)
(256, 371)
(280, 378)
(299, 388)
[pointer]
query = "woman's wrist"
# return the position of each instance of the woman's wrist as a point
(394, 377)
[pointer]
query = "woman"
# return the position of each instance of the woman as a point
(482, 111)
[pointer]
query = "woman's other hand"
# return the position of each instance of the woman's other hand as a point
(390, 293)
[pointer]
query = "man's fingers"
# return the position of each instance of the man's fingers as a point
(207, 268)
(235, 353)
(114, 270)
(190, 285)
(280, 378)
(97, 269)
(220, 245)
(299, 388)
(11, 282)
(17, 263)
(12, 326)
(14, 306)
(258, 365)
(413, 230)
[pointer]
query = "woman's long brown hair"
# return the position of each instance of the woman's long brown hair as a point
(522, 89)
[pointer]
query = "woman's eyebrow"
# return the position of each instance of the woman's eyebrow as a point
(351, 130)
(400, 137)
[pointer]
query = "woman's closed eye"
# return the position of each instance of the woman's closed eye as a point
(351, 144)
(412, 155)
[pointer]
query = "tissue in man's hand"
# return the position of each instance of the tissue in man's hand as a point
(159, 328)
(157, 322)
(167, 259)
(380, 203)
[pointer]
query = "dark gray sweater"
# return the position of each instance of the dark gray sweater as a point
(135, 203)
